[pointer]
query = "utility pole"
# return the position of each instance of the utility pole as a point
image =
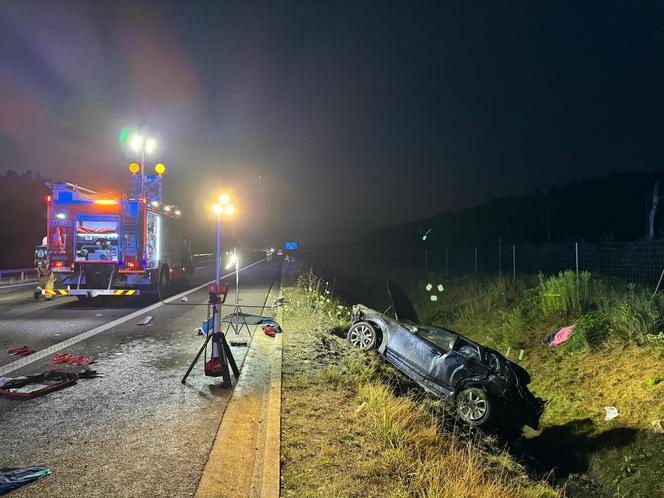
(653, 211)
(500, 256)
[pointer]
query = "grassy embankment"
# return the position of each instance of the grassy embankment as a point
(614, 358)
(351, 425)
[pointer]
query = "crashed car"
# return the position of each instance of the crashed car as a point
(486, 389)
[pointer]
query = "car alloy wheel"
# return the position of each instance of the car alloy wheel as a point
(362, 335)
(472, 404)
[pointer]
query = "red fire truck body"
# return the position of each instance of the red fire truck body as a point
(101, 246)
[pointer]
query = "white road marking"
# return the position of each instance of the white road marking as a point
(4, 370)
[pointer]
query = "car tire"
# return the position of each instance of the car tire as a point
(362, 335)
(474, 406)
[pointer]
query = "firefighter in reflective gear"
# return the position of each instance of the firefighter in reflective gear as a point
(46, 276)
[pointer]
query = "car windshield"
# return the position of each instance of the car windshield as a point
(440, 337)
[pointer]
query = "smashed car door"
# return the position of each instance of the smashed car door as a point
(462, 362)
(403, 307)
(410, 353)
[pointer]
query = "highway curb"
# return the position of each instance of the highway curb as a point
(245, 457)
(271, 478)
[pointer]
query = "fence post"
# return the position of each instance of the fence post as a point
(475, 260)
(22, 275)
(500, 256)
(576, 258)
(447, 268)
(513, 262)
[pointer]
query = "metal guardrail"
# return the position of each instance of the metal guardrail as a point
(27, 275)
(17, 276)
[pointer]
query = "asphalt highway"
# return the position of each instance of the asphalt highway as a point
(136, 431)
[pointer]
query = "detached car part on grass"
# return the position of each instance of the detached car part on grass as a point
(487, 390)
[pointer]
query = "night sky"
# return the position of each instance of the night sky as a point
(327, 119)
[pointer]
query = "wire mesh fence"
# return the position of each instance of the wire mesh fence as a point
(640, 262)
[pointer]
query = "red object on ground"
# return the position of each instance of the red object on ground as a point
(22, 351)
(561, 336)
(70, 359)
(213, 367)
(269, 330)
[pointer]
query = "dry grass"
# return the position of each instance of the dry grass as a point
(581, 384)
(427, 461)
(345, 432)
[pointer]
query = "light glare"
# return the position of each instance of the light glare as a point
(229, 209)
(150, 145)
(224, 199)
(136, 142)
(232, 261)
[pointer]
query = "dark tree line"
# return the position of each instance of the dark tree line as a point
(22, 217)
(614, 208)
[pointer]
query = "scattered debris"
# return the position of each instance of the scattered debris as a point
(242, 318)
(611, 412)
(71, 359)
(14, 478)
(658, 426)
(32, 386)
(239, 343)
(653, 381)
(184, 299)
(22, 351)
(270, 331)
(561, 336)
(275, 325)
(145, 320)
(84, 372)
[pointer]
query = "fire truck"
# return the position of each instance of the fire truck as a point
(100, 245)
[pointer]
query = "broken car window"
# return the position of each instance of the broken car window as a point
(440, 337)
(468, 350)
